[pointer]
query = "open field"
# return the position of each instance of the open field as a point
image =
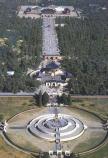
(10, 106)
(102, 153)
(100, 107)
(8, 152)
(95, 105)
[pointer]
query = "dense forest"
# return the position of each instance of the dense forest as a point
(76, 3)
(20, 48)
(84, 43)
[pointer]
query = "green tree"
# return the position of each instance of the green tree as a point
(64, 99)
(1, 117)
(40, 98)
(35, 97)
(45, 98)
(69, 100)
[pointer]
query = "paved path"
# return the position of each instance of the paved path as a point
(50, 41)
(5, 94)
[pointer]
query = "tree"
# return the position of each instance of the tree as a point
(40, 98)
(1, 117)
(69, 100)
(35, 96)
(45, 98)
(64, 99)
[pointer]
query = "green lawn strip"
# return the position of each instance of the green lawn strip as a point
(89, 144)
(10, 106)
(102, 153)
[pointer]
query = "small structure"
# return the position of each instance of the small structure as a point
(48, 11)
(10, 73)
(59, 153)
(105, 126)
(66, 11)
(59, 9)
(52, 57)
(67, 153)
(52, 66)
(51, 152)
(55, 83)
(1, 126)
(28, 10)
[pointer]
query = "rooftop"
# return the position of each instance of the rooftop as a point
(52, 65)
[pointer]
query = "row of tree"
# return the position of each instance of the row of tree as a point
(64, 99)
(41, 99)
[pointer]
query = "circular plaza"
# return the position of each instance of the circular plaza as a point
(34, 130)
(44, 127)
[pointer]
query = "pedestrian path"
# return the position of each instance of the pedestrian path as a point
(50, 41)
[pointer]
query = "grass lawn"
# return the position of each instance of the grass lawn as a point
(8, 152)
(100, 107)
(10, 106)
(91, 142)
(102, 153)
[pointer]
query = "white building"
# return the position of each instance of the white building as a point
(10, 73)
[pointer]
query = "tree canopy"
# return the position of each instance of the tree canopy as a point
(84, 43)
(20, 48)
